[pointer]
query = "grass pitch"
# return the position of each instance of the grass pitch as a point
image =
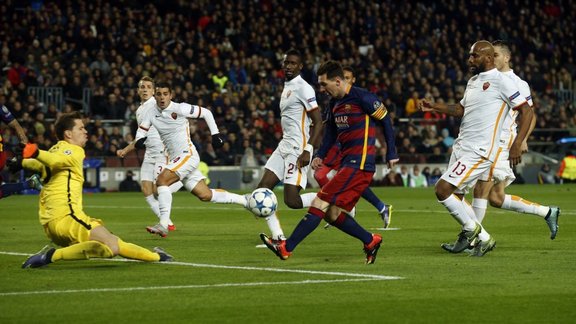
(220, 276)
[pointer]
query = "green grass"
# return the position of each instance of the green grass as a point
(527, 279)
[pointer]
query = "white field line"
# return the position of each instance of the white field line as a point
(221, 285)
(357, 276)
(232, 207)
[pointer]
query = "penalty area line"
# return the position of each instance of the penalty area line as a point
(221, 285)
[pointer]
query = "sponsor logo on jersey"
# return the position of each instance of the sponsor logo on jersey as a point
(347, 108)
(485, 86)
(341, 121)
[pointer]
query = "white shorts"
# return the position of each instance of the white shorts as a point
(283, 163)
(464, 169)
(151, 168)
(500, 171)
(186, 168)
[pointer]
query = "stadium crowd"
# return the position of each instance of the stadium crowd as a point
(227, 55)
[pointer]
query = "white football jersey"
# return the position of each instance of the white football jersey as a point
(154, 145)
(509, 128)
(173, 127)
(298, 97)
(488, 99)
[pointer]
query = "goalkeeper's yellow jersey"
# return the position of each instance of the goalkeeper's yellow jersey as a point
(62, 170)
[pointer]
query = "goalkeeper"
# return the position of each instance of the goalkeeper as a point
(65, 223)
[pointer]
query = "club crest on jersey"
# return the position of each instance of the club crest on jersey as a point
(288, 93)
(485, 86)
(174, 116)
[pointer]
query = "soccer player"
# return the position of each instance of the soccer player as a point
(290, 161)
(154, 158)
(353, 116)
(33, 182)
(488, 98)
(170, 119)
(331, 164)
(491, 186)
(61, 213)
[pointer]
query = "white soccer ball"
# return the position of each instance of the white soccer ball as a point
(262, 202)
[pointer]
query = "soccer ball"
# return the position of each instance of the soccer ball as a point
(262, 202)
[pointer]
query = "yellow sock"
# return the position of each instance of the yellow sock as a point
(83, 251)
(133, 251)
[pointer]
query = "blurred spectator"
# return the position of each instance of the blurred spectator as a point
(545, 175)
(405, 176)
(417, 179)
(567, 170)
(129, 184)
(392, 179)
(434, 176)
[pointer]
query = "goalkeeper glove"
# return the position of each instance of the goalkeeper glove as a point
(217, 141)
(30, 151)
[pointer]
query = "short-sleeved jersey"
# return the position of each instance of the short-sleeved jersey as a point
(487, 101)
(353, 124)
(61, 195)
(509, 128)
(298, 97)
(154, 146)
(173, 127)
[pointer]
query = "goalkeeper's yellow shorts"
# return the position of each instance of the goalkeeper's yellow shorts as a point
(70, 230)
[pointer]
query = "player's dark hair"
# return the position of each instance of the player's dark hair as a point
(293, 52)
(332, 69)
(504, 45)
(163, 84)
(349, 69)
(66, 122)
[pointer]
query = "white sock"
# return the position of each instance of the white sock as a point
(479, 206)
(307, 199)
(458, 211)
(483, 236)
(176, 186)
(165, 204)
(153, 203)
(275, 228)
(518, 204)
(220, 196)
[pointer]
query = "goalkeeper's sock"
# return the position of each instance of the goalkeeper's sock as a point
(521, 205)
(136, 252)
(349, 226)
(8, 189)
(83, 251)
(306, 226)
(220, 196)
(371, 197)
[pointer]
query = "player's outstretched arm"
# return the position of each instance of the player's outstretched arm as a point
(524, 121)
(449, 109)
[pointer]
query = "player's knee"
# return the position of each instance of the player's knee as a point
(496, 200)
(100, 250)
(293, 202)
